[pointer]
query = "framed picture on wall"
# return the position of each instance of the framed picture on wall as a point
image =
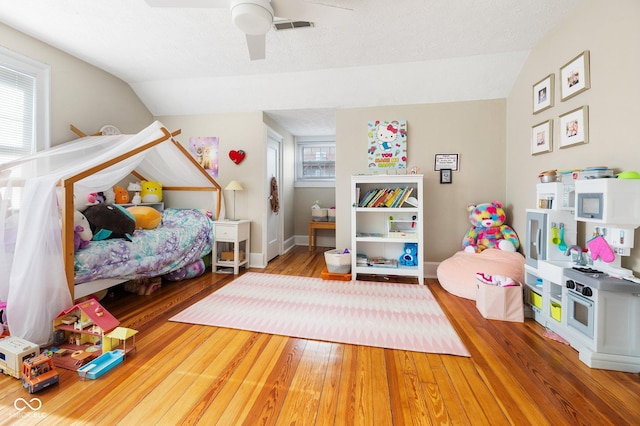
(445, 176)
(541, 137)
(575, 76)
(574, 127)
(543, 94)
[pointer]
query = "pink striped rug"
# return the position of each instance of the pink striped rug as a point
(386, 315)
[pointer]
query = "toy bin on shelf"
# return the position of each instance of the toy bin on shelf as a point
(338, 261)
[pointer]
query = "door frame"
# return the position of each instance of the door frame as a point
(273, 137)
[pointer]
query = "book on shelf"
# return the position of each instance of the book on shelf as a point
(369, 234)
(385, 197)
(405, 195)
(381, 262)
(392, 198)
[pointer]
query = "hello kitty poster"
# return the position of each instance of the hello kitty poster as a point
(387, 147)
(205, 150)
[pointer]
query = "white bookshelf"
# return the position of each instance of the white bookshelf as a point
(381, 232)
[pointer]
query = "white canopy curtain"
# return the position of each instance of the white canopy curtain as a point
(33, 280)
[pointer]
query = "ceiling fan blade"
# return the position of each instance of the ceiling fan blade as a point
(256, 45)
(189, 3)
(304, 10)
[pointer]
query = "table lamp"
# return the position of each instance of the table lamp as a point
(234, 186)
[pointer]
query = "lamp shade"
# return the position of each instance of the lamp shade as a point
(234, 185)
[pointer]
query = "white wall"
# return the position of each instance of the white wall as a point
(81, 94)
(610, 31)
(475, 130)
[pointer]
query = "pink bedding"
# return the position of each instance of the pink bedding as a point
(457, 274)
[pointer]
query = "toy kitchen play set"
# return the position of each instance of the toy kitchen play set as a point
(586, 296)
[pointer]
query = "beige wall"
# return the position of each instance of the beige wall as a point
(245, 131)
(475, 130)
(81, 94)
(609, 30)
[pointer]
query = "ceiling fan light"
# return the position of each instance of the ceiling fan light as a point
(252, 17)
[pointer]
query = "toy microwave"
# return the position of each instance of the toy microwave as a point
(612, 201)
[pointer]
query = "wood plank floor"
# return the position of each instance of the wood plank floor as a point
(189, 374)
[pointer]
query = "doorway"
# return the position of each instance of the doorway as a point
(274, 222)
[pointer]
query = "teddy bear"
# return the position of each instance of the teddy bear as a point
(409, 257)
(151, 192)
(489, 229)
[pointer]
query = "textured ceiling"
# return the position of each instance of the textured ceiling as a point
(194, 61)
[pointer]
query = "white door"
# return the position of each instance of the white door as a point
(274, 219)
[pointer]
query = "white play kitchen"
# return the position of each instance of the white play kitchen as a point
(586, 296)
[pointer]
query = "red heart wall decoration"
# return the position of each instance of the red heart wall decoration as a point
(236, 156)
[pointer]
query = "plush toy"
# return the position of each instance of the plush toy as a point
(410, 255)
(146, 217)
(192, 270)
(489, 229)
(110, 221)
(151, 192)
(135, 188)
(121, 195)
(81, 231)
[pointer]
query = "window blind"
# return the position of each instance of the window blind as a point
(17, 114)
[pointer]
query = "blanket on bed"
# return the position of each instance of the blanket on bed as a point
(183, 237)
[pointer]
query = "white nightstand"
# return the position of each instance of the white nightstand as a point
(231, 245)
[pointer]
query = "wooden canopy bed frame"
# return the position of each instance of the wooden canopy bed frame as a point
(67, 186)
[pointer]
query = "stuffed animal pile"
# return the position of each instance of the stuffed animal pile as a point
(489, 229)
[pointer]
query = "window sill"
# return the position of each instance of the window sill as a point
(315, 184)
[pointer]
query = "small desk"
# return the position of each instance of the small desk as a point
(313, 226)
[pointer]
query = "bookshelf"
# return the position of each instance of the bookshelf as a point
(383, 221)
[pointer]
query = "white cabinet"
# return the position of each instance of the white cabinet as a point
(387, 239)
(231, 244)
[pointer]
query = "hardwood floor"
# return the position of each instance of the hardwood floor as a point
(189, 374)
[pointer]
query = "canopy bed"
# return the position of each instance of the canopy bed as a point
(37, 220)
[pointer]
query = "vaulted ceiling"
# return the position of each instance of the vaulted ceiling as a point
(195, 61)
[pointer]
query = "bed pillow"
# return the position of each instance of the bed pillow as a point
(146, 217)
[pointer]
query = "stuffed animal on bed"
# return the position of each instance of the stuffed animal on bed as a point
(489, 229)
(151, 192)
(110, 221)
(81, 231)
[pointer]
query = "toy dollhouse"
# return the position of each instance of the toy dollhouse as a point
(84, 331)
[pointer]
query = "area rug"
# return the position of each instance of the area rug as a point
(379, 314)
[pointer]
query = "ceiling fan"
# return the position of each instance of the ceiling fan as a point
(256, 17)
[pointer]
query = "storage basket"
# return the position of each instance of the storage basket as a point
(319, 215)
(556, 311)
(331, 215)
(338, 261)
(500, 303)
(535, 299)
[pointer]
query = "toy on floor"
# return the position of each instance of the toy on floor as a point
(13, 350)
(489, 229)
(38, 373)
(409, 257)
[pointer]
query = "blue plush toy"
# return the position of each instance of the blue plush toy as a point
(410, 255)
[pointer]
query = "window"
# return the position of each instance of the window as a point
(24, 106)
(316, 161)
